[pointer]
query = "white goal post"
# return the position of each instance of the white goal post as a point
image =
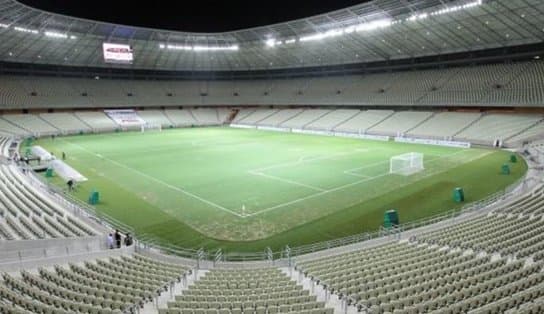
(150, 127)
(406, 164)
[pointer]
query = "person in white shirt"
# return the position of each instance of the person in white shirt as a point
(110, 241)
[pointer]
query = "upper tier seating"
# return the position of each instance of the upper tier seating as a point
(513, 84)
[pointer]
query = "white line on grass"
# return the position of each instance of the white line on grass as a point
(158, 181)
(356, 174)
(346, 186)
(387, 160)
(303, 159)
(315, 188)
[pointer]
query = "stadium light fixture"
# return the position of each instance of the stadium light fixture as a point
(362, 27)
(198, 48)
(55, 35)
(216, 48)
(2, 25)
(319, 36)
(451, 9)
(26, 30)
(175, 47)
(365, 27)
(270, 42)
(372, 25)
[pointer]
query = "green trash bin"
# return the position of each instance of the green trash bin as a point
(513, 158)
(94, 197)
(458, 195)
(505, 169)
(49, 172)
(391, 218)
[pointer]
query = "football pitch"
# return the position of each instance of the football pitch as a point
(244, 190)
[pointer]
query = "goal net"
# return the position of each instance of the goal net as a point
(406, 164)
(147, 127)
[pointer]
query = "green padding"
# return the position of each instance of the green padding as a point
(390, 218)
(94, 197)
(458, 195)
(505, 169)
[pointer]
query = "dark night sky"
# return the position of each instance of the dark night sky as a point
(193, 15)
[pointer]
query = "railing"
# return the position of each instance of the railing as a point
(54, 251)
(77, 206)
(493, 198)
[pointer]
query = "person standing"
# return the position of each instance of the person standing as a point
(110, 241)
(117, 239)
(70, 184)
(128, 240)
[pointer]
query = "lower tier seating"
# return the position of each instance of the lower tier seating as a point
(260, 291)
(114, 285)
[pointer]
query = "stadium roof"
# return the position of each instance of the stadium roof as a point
(379, 30)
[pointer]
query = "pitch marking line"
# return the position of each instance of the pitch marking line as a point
(347, 185)
(315, 188)
(437, 172)
(356, 174)
(159, 181)
(304, 159)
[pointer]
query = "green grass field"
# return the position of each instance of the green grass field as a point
(244, 190)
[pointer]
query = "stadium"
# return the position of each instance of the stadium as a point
(382, 157)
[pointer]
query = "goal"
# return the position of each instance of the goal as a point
(406, 164)
(150, 127)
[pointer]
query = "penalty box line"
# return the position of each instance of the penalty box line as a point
(345, 185)
(302, 160)
(170, 186)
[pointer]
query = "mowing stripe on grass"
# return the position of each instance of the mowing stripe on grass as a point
(303, 159)
(315, 188)
(352, 184)
(157, 180)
